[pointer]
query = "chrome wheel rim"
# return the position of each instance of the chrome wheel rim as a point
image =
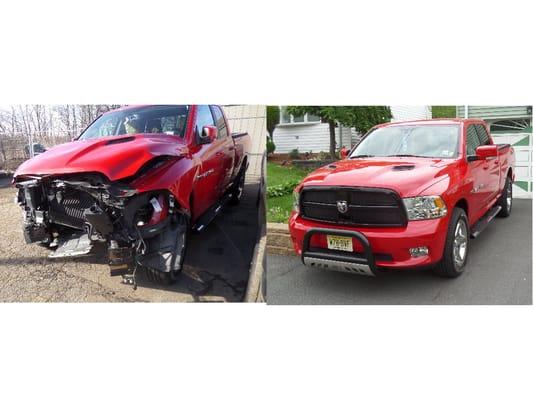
(509, 196)
(460, 243)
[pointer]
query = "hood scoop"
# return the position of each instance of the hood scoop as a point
(407, 167)
(121, 140)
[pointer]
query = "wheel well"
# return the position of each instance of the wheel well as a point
(462, 204)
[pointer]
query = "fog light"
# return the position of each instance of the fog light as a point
(419, 251)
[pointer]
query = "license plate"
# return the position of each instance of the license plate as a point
(342, 243)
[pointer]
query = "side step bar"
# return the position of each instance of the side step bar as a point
(211, 213)
(484, 221)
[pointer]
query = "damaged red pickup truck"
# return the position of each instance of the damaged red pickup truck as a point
(409, 195)
(138, 180)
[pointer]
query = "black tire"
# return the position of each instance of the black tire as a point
(239, 188)
(168, 278)
(506, 199)
(453, 264)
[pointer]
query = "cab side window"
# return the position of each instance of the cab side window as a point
(220, 122)
(472, 141)
(203, 118)
(483, 135)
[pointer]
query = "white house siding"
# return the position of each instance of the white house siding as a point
(494, 112)
(251, 119)
(309, 137)
(407, 113)
(314, 137)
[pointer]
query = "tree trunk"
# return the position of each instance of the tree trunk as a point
(332, 139)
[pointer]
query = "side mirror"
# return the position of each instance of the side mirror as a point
(208, 134)
(488, 151)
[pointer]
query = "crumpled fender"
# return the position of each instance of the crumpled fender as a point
(176, 175)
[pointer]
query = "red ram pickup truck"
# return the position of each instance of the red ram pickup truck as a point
(138, 180)
(409, 195)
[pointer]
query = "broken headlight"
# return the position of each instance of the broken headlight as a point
(154, 212)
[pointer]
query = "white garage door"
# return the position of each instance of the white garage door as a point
(518, 134)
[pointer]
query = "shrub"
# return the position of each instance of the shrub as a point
(271, 146)
(324, 156)
(294, 154)
(281, 190)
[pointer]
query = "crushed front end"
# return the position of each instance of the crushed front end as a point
(71, 213)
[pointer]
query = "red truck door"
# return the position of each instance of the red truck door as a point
(492, 167)
(478, 173)
(208, 184)
(227, 145)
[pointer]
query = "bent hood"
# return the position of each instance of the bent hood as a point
(407, 176)
(116, 157)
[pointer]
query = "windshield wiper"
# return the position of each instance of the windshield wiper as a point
(362, 156)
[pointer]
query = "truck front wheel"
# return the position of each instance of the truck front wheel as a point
(457, 244)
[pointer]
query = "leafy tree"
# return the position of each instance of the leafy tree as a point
(362, 118)
(444, 111)
(272, 119)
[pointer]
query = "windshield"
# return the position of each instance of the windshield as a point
(433, 141)
(168, 120)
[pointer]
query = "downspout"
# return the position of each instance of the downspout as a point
(466, 111)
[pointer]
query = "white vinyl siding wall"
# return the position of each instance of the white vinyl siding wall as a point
(408, 113)
(250, 119)
(494, 112)
(308, 137)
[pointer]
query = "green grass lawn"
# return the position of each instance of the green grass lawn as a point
(279, 208)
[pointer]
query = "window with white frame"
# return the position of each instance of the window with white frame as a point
(286, 118)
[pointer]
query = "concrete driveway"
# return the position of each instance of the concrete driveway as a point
(498, 272)
(216, 266)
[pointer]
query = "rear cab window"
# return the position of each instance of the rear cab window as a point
(220, 122)
(483, 135)
(472, 140)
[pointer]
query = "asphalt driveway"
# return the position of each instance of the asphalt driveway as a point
(498, 272)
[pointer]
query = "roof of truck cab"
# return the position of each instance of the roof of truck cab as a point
(435, 121)
(133, 107)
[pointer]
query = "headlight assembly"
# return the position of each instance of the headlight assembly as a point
(424, 207)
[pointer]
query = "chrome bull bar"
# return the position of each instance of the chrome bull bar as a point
(339, 262)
